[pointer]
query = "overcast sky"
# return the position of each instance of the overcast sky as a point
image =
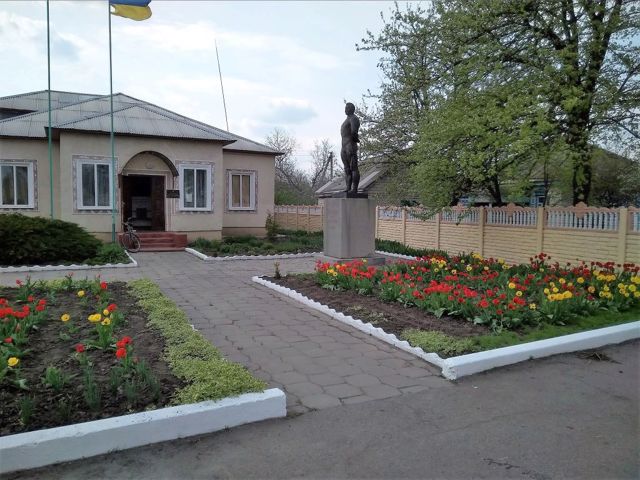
(284, 64)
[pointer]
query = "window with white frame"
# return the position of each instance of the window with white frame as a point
(195, 187)
(16, 185)
(93, 184)
(242, 190)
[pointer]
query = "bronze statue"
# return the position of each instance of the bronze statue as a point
(349, 152)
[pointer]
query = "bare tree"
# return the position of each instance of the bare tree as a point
(323, 159)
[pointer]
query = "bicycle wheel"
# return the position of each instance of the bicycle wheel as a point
(131, 242)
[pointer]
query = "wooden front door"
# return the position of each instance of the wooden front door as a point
(157, 203)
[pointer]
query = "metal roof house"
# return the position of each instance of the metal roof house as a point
(173, 173)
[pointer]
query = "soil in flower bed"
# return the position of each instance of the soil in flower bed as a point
(391, 317)
(47, 348)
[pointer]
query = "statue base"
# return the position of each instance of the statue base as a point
(347, 195)
(375, 261)
(349, 229)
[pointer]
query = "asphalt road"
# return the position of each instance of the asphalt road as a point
(569, 416)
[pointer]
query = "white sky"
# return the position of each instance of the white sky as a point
(285, 64)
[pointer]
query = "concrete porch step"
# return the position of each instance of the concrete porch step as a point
(161, 249)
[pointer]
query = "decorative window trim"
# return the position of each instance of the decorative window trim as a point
(77, 178)
(95, 162)
(253, 196)
(209, 168)
(31, 184)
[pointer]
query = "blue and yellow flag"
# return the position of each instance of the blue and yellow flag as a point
(133, 9)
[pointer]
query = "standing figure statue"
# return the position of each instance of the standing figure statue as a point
(349, 152)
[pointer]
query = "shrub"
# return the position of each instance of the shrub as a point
(110, 253)
(271, 227)
(396, 247)
(38, 240)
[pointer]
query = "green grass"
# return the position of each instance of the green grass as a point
(208, 375)
(289, 242)
(447, 346)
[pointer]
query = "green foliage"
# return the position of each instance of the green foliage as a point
(438, 342)
(26, 406)
(109, 253)
(271, 227)
(392, 246)
(485, 93)
(55, 378)
(191, 357)
(37, 240)
(91, 389)
(291, 242)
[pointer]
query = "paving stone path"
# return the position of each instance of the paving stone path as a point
(316, 360)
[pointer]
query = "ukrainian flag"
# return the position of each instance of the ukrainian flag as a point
(133, 9)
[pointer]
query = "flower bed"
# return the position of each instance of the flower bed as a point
(425, 301)
(74, 351)
(288, 242)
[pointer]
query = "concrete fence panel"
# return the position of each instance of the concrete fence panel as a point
(568, 234)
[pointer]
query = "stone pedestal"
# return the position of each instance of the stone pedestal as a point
(349, 229)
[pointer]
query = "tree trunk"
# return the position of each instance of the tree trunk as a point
(580, 155)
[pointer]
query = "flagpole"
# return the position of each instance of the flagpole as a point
(113, 151)
(50, 149)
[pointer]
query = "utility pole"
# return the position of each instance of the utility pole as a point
(331, 165)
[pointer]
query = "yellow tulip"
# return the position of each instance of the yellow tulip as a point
(13, 361)
(81, 293)
(65, 317)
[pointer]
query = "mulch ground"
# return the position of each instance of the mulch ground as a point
(391, 317)
(47, 348)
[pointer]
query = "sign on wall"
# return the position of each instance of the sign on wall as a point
(173, 193)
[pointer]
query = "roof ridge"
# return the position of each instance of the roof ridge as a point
(143, 107)
(45, 90)
(53, 109)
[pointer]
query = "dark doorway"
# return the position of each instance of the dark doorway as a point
(143, 201)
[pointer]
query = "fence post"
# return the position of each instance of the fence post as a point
(308, 218)
(297, 215)
(404, 225)
(623, 228)
(540, 229)
(482, 217)
(437, 218)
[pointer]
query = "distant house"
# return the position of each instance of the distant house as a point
(378, 181)
(174, 174)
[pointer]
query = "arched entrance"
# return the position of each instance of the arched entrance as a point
(144, 181)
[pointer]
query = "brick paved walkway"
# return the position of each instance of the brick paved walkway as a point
(318, 361)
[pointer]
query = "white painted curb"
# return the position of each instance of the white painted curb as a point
(51, 268)
(207, 258)
(354, 322)
(45, 447)
(396, 255)
(463, 365)
(456, 367)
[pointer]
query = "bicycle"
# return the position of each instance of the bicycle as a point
(129, 239)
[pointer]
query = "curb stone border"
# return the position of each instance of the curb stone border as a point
(207, 258)
(463, 365)
(396, 255)
(51, 268)
(28, 450)
(368, 328)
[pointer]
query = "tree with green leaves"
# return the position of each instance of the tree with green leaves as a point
(482, 93)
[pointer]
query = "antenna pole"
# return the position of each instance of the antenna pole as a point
(224, 102)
